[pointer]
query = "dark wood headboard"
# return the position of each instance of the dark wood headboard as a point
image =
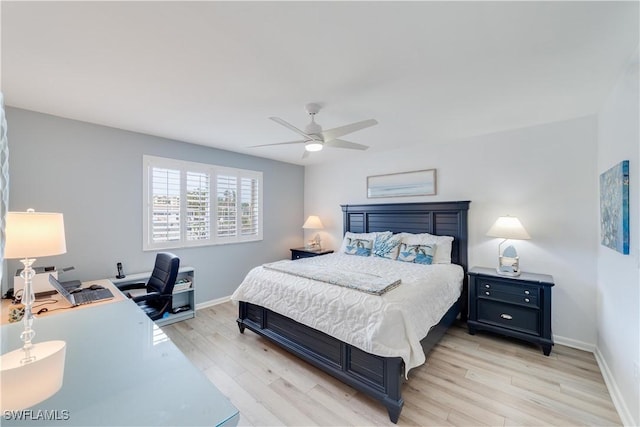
(439, 218)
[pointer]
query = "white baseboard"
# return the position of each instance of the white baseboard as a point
(213, 302)
(614, 391)
(570, 342)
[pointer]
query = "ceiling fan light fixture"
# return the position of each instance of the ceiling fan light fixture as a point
(313, 146)
(315, 138)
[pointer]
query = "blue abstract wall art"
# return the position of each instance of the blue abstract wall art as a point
(614, 207)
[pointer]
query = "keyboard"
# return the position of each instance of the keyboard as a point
(86, 297)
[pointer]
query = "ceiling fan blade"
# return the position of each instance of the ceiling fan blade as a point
(290, 126)
(341, 143)
(277, 143)
(334, 133)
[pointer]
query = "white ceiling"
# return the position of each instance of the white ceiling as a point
(211, 73)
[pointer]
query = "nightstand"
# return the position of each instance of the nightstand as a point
(518, 307)
(298, 253)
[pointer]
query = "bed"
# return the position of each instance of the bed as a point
(379, 377)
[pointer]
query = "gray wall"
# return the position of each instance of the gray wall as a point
(93, 174)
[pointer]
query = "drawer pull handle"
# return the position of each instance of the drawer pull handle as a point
(487, 286)
(506, 316)
(487, 293)
(526, 292)
(526, 300)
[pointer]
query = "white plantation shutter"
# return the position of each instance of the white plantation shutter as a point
(165, 209)
(227, 191)
(192, 204)
(198, 220)
(250, 206)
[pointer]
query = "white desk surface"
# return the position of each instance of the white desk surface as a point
(121, 370)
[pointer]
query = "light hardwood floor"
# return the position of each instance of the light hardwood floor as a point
(467, 380)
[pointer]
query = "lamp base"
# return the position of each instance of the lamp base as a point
(508, 265)
(507, 273)
(26, 384)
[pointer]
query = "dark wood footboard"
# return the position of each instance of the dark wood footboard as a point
(376, 376)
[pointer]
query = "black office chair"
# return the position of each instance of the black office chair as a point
(158, 299)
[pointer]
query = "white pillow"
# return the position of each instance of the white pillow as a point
(443, 245)
(364, 236)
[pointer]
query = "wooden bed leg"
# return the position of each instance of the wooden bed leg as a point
(394, 408)
(240, 326)
(242, 314)
(394, 402)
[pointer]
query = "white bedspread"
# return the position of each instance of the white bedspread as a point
(390, 325)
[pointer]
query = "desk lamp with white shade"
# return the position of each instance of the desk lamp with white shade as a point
(508, 228)
(313, 223)
(34, 372)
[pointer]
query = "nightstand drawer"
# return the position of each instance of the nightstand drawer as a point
(298, 255)
(511, 288)
(509, 316)
(518, 298)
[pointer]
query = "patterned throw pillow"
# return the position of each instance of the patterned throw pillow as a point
(425, 254)
(386, 246)
(420, 254)
(360, 247)
(442, 244)
(349, 235)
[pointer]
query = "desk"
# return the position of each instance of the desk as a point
(61, 305)
(121, 370)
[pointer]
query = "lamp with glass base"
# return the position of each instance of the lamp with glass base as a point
(508, 228)
(34, 372)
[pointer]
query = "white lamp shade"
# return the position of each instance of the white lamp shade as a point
(313, 222)
(34, 234)
(508, 227)
(26, 384)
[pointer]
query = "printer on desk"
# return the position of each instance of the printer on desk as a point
(40, 282)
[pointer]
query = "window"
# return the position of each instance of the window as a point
(192, 204)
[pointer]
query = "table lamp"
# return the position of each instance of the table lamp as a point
(34, 372)
(508, 228)
(313, 223)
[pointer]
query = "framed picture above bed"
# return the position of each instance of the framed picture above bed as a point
(415, 183)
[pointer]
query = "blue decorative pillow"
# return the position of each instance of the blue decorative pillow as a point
(425, 254)
(360, 247)
(420, 254)
(386, 246)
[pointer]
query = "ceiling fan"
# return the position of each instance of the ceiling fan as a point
(315, 139)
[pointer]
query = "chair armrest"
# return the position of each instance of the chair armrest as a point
(129, 286)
